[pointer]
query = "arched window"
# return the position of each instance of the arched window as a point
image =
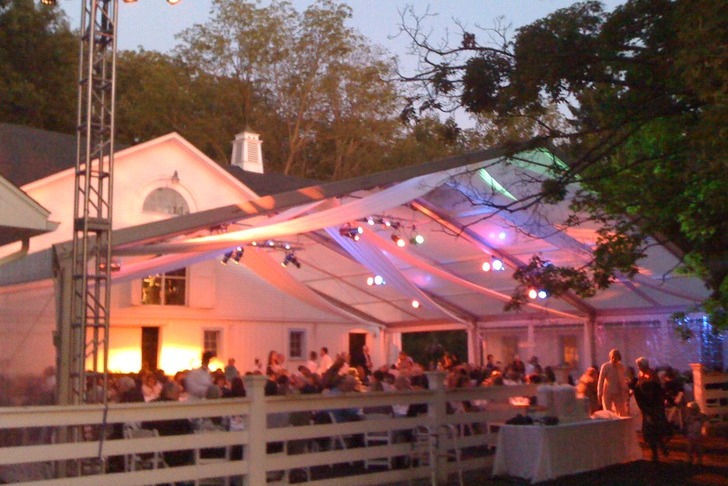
(166, 201)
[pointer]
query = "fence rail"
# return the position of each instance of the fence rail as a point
(41, 456)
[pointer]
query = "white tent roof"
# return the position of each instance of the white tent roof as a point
(469, 209)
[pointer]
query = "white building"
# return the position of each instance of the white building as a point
(177, 215)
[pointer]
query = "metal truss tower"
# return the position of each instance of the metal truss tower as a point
(90, 293)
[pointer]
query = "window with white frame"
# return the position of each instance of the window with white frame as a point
(569, 350)
(168, 288)
(165, 200)
(211, 341)
(296, 343)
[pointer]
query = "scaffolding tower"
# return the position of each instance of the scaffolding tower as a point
(87, 342)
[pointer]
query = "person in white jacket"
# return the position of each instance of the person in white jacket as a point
(612, 388)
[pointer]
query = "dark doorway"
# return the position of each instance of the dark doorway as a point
(427, 348)
(150, 347)
(357, 341)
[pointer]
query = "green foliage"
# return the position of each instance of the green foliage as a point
(319, 92)
(426, 348)
(642, 91)
(38, 66)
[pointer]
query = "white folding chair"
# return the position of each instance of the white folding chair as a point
(378, 438)
(426, 450)
(211, 456)
(143, 460)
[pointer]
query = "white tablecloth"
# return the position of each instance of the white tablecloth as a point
(541, 452)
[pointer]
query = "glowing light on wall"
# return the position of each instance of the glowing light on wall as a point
(173, 358)
(124, 360)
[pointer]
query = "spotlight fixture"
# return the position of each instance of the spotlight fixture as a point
(417, 239)
(234, 255)
(498, 265)
(291, 258)
(398, 240)
(415, 303)
(541, 294)
(238, 254)
(375, 280)
(386, 222)
(115, 266)
(48, 2)
(353, 232)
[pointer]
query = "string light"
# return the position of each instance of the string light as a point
(398, 240)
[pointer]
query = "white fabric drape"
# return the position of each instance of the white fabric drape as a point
(372, 204)
(373, 259)
(372, 238)
(261, 263)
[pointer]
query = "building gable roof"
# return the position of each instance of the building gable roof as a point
(28, 154)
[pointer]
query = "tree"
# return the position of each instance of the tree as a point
(38, 66)
(316, 88)
(643, 97)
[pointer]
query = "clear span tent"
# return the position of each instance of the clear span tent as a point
(470, 210)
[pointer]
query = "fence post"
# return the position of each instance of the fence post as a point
(257, 427)
(438, 412)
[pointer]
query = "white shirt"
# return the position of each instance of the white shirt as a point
(325, 363)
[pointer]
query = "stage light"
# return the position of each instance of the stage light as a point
(291, 258)
(238, 254)
(415, 303)
(542, 294)
(486, 266)
(417, 239)
(370, 221)
(353, 232)
(226, 257)
(502, 235)
(532, 294)
(375, 280)
(498, 265)
(398, 240)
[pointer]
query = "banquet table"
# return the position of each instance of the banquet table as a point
(543, 452)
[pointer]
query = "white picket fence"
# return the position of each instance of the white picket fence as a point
(73, 462)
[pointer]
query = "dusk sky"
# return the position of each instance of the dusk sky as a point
(152, 24)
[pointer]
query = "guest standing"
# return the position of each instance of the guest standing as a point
(651, 400)
(587, 388)
(612, 388)
(695, 421)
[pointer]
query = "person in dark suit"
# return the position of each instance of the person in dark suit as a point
(651, 400)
